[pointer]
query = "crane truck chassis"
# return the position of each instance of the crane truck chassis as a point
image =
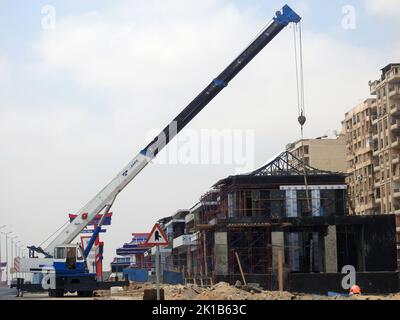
(64, 266)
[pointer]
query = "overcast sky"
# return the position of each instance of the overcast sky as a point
(78, 101)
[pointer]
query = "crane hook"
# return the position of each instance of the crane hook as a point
(302, 120)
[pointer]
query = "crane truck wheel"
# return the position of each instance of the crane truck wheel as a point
(85, 294)
(56, 293)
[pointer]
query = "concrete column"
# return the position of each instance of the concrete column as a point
(278, 242)
(331, 250)
(221, 253)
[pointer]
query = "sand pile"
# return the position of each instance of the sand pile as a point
(220, 291)
(180, 292)
(224, 291)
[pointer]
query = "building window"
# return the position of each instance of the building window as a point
(265, 203)
(302, 203)
(278, 204)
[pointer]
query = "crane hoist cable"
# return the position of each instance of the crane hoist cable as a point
(298, 51)
(54, 233)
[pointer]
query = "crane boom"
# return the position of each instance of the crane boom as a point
(106, 197)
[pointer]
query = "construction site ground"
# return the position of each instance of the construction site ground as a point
(221, 291)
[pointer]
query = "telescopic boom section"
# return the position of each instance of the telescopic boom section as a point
(106, 196)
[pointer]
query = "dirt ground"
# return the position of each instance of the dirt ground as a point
(220, 291)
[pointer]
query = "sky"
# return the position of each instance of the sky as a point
(85, 84)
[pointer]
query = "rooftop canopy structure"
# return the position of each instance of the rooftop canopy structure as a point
(286, 164)
(284, 169)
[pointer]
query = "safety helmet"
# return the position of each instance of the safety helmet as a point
(355, 290)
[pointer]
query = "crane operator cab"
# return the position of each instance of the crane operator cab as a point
(68, 259)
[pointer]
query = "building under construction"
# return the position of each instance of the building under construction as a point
(288, 216)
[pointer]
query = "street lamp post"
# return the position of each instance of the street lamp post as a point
(1, 261)
(12, 251)
(7, 262)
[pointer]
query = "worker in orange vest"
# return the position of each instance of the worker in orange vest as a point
(355, 290)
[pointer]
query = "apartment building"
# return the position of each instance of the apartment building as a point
(322, 153)
(358, 130)
(372, 131)
(386, 137)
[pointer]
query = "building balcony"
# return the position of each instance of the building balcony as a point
(393, 76)
(396, 143)
(184, 240)
(395, 110)
(396, 193)
(376, 152)
(395, 159)
(395, 126)
(394, 93)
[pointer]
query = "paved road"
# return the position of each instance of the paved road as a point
(11, 294)
(7, 293)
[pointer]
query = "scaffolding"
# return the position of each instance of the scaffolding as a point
(254, 251)
(245, 210)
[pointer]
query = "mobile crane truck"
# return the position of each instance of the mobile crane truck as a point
(64, 264)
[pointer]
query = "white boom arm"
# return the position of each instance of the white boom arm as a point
(104, 198)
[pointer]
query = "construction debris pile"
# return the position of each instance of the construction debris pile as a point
(220, 291)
